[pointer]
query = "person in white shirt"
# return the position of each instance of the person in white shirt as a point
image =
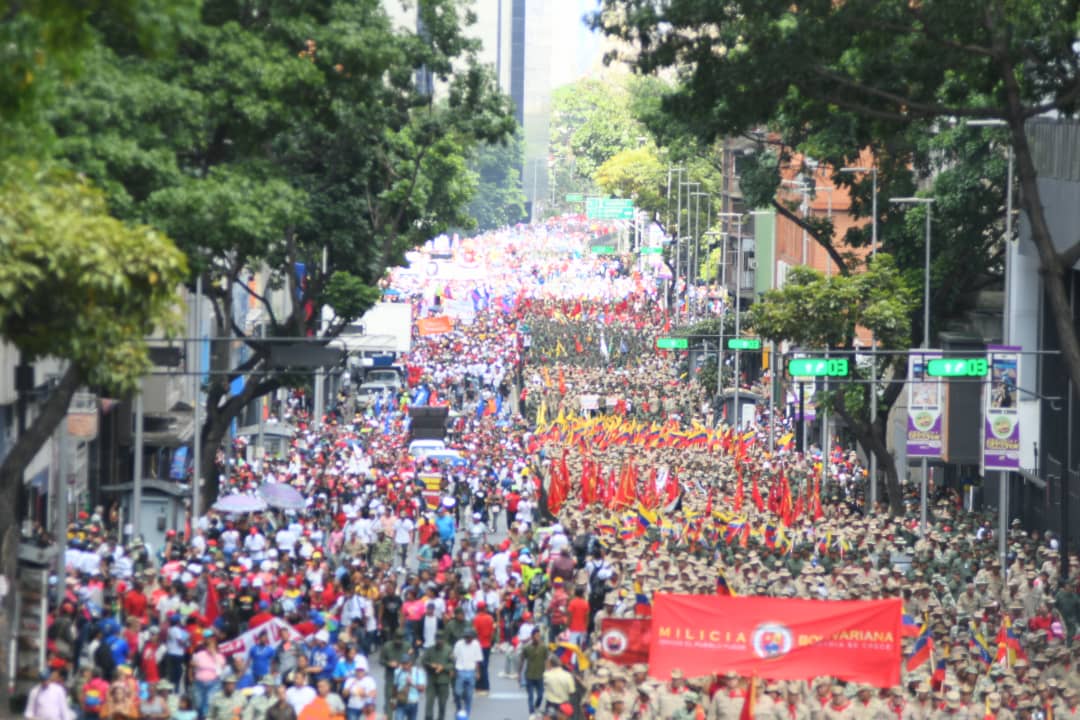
(468, 656)
(359, 690)
(500, 566)
(255, 544)
(301, 693)
(49, 700)
(285, 539)
(403, 535)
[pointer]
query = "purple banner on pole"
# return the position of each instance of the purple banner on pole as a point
(926, 406)
(1001, 422)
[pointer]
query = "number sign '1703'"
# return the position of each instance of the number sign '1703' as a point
(818, 367)
(957, 367)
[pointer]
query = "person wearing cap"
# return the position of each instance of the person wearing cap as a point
(260, 698)
(410, 681)
(617, 689)
(226, 703)
(840, 706)
(669, 697)
(48, 700)
(691, 708)
(468, 657)
(559, 684)
(866, 705)
(438, 663)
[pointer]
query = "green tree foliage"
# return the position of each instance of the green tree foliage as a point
(592, 120)
(498, 200)
(81, 286)
(278, 133)
(864, 73)
(817, 311)
(635, 173)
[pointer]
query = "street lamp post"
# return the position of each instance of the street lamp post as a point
(928, 202)
(738, 307)
(1006, 333)
(873, 339)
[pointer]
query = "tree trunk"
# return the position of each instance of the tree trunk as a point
(11, 477)
(213, 433)
(871, 437)
(1053, 270)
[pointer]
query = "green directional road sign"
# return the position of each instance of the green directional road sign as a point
(609, 208)
(744, 344)
(603, 249)
(818, 367)
(652, 251)
(957, 367)
(575, 197)
(672, 343)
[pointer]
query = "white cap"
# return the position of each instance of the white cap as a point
(322, 636)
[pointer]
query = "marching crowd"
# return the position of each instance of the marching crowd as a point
(389, 594)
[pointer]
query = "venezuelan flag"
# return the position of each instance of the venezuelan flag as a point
(980, 647)
(722, 587)
(570, 656)
(922, 650)
(642, 603)
(909, 627)
(646, 518)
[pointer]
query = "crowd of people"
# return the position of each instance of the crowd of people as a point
(406, 583)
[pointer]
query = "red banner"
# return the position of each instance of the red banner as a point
(625, 641)
(434, 325)
(775, 638)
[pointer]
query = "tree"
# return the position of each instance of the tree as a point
(498, 200)
(815, 311)
(279, 136)
(634, 173)
(80, 286)
(890, 64)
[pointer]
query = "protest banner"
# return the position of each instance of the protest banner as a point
(777, 638)
(625, 641)
(277, 630)
(434, 325)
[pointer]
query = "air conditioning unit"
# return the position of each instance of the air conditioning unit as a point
(751, 263)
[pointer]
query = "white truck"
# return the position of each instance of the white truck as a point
(385, 329)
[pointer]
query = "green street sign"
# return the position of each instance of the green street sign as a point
(652, 251)
(958, 367)
(609, 208)
(603, 249)
(744, 343)
(575, 197)
(818, 367)
(672, 343)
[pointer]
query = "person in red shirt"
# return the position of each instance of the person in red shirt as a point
(148, 661)
(135, 602)
(557, 609)
(578, 613)
(484, 624)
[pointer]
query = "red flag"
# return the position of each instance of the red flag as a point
(212, 608)
(747, 712)
(671, 488)
(755, 494)
(626, 493)
(739, 491)
(708, 505)
(577, 344)
(562, 382)
(625, 641)
(816, 499)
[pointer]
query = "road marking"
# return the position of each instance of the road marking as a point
(506, 696)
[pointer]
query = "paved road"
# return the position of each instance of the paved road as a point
(507, 700)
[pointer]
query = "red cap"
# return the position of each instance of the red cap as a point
(566, 709)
